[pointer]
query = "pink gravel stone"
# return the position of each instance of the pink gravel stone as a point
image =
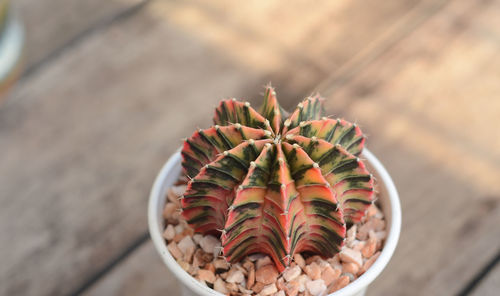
(184, 265)
(206, 275)
(370, 247)
(251, 277)
(174, 250)
(369, 262)
(208, 243)
(233, 287)
(169, 210)
(178, 190)
(316, 288)
(280, 283)
(339, 284)
(210, 266)
(263, 262)
(350, 267)
(185, 243)
(299, 260)
(258, 287)
(235, 276)
(220, 286)
(351, 235)
(329, 275)
(220, 264)
(358, 245)
(335, 262)
(380, 235)
(179, 228)
(302, 279)
(172, 197)
(197, 238)
(374, 224)
(244, 291)
(313, 271)
(169, 232)
(268, 290)
(350, 255)
(188, 254)
(291, 273)
(292, 288)
(266, 274)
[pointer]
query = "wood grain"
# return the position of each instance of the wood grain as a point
(143, 273)
(428, 106)
(490, 285)
(314, 40)
(82, 140)
(51, 24)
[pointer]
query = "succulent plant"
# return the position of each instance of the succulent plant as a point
(273, 182)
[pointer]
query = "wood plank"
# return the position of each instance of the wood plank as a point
(265, 36)
(490, 285)
(429, 106)
(50, 24)
(82, 141)
(141, 274)
(83, 137)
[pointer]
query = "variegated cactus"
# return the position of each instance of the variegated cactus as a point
(275, 183)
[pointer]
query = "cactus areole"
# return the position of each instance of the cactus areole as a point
(275, 183)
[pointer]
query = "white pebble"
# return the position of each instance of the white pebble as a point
(302, 282)
(197, 238)
(209, 243)
(263, 262)
(350, 255)
(220, 286)
(179, 190)
(179, 228)
(169, 232)
(351, 235)
(186, 243)
(235, 276)
(291, 273)
(268, 290)
(316, 288)
(380, 235)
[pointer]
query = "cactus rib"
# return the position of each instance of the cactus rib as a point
(274, 183)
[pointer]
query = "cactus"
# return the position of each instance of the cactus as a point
(275, 186)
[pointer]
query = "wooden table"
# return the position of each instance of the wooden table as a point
(111, 87)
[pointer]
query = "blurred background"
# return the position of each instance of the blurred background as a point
(105, 90)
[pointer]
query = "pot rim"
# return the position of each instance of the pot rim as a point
(155, 221)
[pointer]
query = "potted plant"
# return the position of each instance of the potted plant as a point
(271, 203)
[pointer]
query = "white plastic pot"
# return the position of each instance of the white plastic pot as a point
(388, 198)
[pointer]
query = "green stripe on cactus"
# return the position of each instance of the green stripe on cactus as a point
(271, 110)
(320, 204)
(343, 171)
(232, 111)
(297, 236)
(310, 108)
(337, 131)
(218, 180)
(272, 185)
